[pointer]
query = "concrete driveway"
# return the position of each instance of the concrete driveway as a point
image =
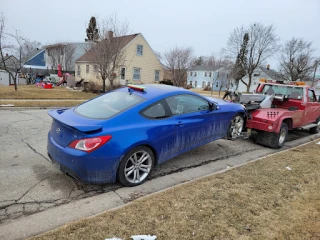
(30, 183)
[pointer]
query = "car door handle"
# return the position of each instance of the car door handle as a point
(180, 124)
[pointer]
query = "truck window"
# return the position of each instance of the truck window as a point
(312, 96)
(289, 91)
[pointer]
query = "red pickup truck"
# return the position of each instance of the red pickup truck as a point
(276, 108)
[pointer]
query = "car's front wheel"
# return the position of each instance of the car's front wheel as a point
(135, 166)
(235, 127)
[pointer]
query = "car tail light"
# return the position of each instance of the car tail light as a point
(89, 144)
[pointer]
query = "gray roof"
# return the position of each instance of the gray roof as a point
(272, 74)
(201, 68)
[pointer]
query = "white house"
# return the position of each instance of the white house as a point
(259, 72)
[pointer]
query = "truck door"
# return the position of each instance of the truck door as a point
(312, 108)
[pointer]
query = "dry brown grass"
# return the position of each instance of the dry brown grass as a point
(43, 103)
(261, 200)
(34, 92)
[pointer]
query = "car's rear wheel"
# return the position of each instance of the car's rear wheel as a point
(135, 166)
(316, 129)
(235, 127)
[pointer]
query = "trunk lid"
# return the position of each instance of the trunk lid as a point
(68, 126)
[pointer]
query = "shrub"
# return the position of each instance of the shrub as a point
(207, 88)
(93, 87)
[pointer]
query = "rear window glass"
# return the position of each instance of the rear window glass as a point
(108, 105)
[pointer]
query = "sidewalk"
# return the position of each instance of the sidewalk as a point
(274, 197)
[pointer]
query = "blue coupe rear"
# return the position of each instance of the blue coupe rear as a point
(123, 134)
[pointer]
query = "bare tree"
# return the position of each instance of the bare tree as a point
(69, 51)
(29, 47)
(262, 44)
(55, 54)
(178, 60)
(296, 60)
(107, 55)
(16, 50)
(222, 64)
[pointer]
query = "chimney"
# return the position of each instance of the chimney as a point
(110, 34)
(268, 66)
(7, 55)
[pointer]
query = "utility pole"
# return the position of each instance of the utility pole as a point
(316, 63)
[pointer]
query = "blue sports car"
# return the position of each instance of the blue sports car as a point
(123, 134)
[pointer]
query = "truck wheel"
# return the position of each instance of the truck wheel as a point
(274, 140)
(315, 130)
(235, 127)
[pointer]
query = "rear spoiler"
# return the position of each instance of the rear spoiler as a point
(65, 118)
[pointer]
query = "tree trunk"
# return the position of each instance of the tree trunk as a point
(249, 83)
(103, 85)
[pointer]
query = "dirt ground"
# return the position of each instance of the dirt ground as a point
(277, 197)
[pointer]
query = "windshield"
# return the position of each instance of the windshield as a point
(289, 91)
(108, 105)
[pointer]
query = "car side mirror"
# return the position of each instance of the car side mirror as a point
(213, 106)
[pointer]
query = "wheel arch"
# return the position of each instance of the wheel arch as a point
(288, 121)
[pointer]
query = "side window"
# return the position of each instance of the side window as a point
(155, 111)
(181, 104)
(139, 50)
(123, 73)
(312, 97)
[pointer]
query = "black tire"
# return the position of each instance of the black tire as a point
(129, 161)
(235, 127)
(274, 140)
(315, 130)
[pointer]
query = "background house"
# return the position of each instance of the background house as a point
(65, 54)
(140, 64)
(200, 76)
(259, 72)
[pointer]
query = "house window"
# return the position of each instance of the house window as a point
(210, 74)
(139, 50)
(256, 74)
(123, 73)
(190, 83)
(205, 74)
(191, 73)
(87, 69)
(217, 85)
(95, 69)
(78, 70)
(195, 74)
(156, 75)
(136, 73)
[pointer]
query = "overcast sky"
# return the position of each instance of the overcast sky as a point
(204, 25)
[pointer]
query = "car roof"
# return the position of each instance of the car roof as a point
(154, 90)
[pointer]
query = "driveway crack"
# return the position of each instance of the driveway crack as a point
(31, 188)
(35, 150)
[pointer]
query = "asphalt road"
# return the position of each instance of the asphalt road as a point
(30, 183)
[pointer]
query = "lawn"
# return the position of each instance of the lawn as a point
(33, 96)
(277, 197)
(34, 92)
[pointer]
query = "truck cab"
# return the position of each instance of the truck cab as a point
(291, 105)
